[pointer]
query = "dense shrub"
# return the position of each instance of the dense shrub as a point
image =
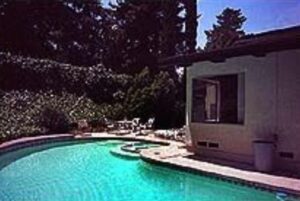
(43, 96)
(154, 96)
(96, 82)
(25, 113)
(54, 121)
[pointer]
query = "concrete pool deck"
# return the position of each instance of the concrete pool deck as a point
(257, 179)
(174, 154)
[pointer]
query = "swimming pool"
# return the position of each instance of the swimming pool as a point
(72, 171)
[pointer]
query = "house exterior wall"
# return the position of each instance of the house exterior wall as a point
(288, 118)
(272, 94)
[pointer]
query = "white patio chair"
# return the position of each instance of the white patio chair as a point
(135, 124)
(149, 123)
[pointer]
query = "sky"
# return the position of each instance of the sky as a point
(262, 15)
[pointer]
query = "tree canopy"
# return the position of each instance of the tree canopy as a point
(227, 30)
(108, 55)
(66, 31)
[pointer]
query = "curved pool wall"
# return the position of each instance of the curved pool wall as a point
(30, 141)
(117, 151)
(23, 151)
(32, 145)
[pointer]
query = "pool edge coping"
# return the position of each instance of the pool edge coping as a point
(236, 180)
(23, 142)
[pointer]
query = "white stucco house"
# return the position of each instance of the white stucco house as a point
(247, 93)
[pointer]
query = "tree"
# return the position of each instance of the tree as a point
(151, 96)
(172, 34)
(126, 38)
(148, 30)
(66, 31)
(227, 30)
(154, 29)
(191, 25)
(135, 29)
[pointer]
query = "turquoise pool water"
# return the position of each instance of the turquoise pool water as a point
(89, 172)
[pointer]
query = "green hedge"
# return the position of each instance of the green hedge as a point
(23, 113)
(44, 96)
(96, 82)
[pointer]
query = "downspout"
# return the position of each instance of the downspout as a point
(187, 112)
(277, 99)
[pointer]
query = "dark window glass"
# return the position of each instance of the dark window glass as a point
(218, 99)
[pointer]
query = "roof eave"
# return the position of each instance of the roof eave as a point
(257, 48)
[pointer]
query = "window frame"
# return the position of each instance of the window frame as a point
(240, 104)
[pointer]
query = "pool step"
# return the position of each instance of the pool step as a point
(117, 151)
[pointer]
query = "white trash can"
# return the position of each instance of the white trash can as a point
(263, 155)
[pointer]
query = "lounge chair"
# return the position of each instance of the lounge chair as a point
(180, 136)
(149, 124)
(135, 124)
(146, 129)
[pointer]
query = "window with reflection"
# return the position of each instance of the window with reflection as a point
(218, 99)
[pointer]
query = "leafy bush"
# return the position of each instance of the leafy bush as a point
(20, 112)
(154, 96)
(96, 82)
(43, 96)
(54, 121)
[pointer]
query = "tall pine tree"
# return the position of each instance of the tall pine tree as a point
(227, 30)
(66, 31)
(191, 25)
